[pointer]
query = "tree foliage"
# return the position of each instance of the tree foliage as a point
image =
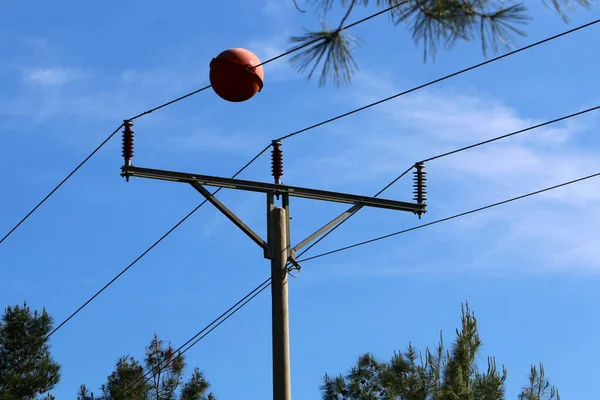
(538, 387)
(433, 23)
(158, 378)
(441, 374)
(196, 388)
(27, 370)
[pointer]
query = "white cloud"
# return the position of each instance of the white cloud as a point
(57, 76)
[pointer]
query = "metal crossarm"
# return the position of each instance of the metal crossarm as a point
(262, 187)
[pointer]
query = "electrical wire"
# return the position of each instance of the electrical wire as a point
(113, 280)
(34, 209)
(455, 152)
(465, 148)
(168, 103)
(497, 138)
(452, 75)
(513, 133)
(202, 333)
(451, 217)
(353, 24)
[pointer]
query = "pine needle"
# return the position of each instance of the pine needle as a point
(329, 50)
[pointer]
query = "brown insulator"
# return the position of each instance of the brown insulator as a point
(128, 142)
(276, 161)
(420, 185)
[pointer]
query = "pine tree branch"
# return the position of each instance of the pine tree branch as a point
(433, 23)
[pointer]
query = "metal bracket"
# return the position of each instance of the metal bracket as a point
(229, 214)
(292, 260)
(339, 219)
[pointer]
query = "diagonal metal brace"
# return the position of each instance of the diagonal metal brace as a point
(338, 220)
(229, 214)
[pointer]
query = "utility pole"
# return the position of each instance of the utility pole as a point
(282, 387)
(278, 247)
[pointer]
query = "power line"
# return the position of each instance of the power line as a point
(513, 133)
(462, 71)
(374, 15)
(353, 24)
(60, 184)
(270, 60)
(171, 102)
(113, 280)
(497, 138)
(168, 103)
(204, 332)
(450, 218)
(86, 159)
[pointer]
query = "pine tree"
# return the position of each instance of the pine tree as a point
(434, 375)
(196, 388)
(158, 378)
(538, 388)
(27, 370)
(126, 381)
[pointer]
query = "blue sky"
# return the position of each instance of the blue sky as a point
(72, 71)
